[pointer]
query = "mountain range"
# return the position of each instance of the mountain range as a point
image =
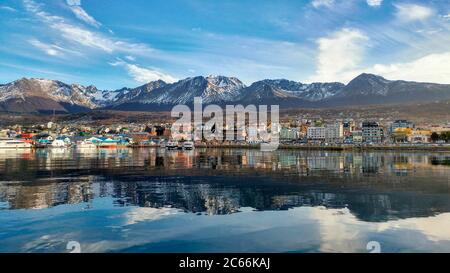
(48, 96)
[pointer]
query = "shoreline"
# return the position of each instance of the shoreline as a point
(411, 148)
(338, 148)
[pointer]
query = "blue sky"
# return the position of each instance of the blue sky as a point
(115, 43)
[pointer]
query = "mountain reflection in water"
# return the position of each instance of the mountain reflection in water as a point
(374, 187)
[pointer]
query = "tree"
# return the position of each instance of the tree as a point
(445, 136)
(435, 137)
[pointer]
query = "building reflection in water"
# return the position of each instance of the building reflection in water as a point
(373, 186)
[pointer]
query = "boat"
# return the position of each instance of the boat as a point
(107, 143)
(172, 145)
(162, 144)
(58, 144)
(188, 145)
(85, 145)
(14, 144)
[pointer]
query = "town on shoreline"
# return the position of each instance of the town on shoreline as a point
(301, 133)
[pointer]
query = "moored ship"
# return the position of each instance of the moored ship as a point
(14, 144)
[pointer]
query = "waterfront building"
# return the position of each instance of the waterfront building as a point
(334, 132)
(330, 133)
(401, 124)
(357, 136)
(372, 132)
(289, 134)
(401, 135)
(316, 133)
(420, 136)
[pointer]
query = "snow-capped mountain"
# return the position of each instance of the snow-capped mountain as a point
(372, 89)
(285, 88)
(128, 94)
(213, 89)
(107, 98)
(43, 95)
(30, 95)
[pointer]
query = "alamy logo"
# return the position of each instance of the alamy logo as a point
(250, 124)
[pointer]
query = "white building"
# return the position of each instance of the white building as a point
(330, 133)
(316, 133)
(334, 132)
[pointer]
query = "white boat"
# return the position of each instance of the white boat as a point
(14, 144)
(86, 145)
(172, 145)
(188, 145)
(58, 144)
(162, 144)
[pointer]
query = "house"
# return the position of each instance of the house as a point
(400, 135)
(420, 136)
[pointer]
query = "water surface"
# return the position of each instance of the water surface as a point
(223, 200)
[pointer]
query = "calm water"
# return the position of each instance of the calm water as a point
(152, 200)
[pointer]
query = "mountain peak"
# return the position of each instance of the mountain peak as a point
(308, 92)
(368, 76)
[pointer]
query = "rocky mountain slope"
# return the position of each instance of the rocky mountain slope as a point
(42, 95)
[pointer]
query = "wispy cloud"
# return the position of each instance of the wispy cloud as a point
(80, 13)
(49, 49)
(374, 3)
(83, 36)
(322, 3)
(8, 8)
(73, 2)
(52, 49)
(412, 12)
(339, 53)
(143, 74)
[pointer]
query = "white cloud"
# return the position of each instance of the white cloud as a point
(339, 53)
(413, 12)
(433, 68)
(8, 8)
(51, 50)
(322, 3)
(74, 2)
(81, 14)
(430, 68)
(82, 36)
(143, 74)
(130, 58)
(374, 3)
